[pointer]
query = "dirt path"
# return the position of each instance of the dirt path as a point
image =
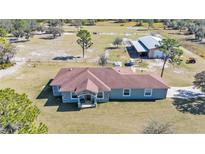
(8, 71)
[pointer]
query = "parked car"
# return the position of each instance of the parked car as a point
(191, 60)
(130, 63)
(13, 40)
(117, 64)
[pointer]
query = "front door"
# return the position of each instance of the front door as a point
(88, 98)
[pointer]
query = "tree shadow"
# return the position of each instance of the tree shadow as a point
(192, 40)
(47, 93)
(190, 102)
(111, 48)
(47, 38)
(20, 41)
(194, 106)
(186, 94)
(177, 33)
(64, 58)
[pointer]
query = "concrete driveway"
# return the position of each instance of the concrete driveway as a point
(184, 92)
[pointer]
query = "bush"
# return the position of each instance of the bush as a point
(117, 41)
(155, 127)
(6, 65)
(102, 60)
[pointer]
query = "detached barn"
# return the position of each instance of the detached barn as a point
(148, 46)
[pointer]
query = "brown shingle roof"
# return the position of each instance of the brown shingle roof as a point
(104, 79)
(87, 85)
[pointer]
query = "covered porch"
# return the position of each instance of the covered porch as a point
(87, 99)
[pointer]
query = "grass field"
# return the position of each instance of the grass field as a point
(112, 117)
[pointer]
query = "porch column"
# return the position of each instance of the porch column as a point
(95, 102)
(79, 103)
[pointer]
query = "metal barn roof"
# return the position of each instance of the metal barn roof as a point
(138, 46)
(150, 41)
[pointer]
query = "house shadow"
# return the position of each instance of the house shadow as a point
(189, 102)
(138, 100)
(47, 93)
(64, 58)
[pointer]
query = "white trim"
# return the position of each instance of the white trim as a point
(102, 95)
(147, 90)
(129, 92)
(71, 96)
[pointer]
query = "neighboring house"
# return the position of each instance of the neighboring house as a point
(88, 86)
(147, 46)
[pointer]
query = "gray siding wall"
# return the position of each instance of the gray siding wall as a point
(106, 97)
(56, 91)
(138, 94)
(115, 94)
(66, 98)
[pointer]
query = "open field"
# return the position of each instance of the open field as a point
(112, 117)
(45, 57)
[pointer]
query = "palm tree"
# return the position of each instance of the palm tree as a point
(172, 52)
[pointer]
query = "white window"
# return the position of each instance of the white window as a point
(100, 95)
(126, 92)
(148, 92)
(73, 95)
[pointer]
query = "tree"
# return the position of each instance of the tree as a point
(191, 28)
(18, 114)
(199, 81)
(7, 51)
(55, 23)
(77, 23)
(155, 127)
(55, 27)
(117, 41)
(181, 25)
(172, 52)
(84, 40)
(55, 31)
(6, 24)
(199, 34)
(102, 60)
(3, 32)
(150, 23)
(19, 27)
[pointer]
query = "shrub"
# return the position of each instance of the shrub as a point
(102, 60)
(155, 127)
(6, 65)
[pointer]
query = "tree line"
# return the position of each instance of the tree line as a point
(192, 27)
